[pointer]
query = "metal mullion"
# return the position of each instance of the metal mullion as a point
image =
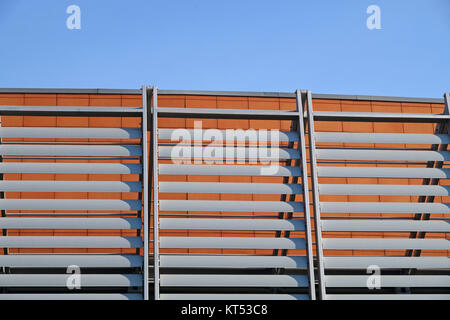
(307, 216)
(154, 137)
(145, 195)
(315, 191)
(4, 269)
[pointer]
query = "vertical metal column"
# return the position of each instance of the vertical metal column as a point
(145, 198)
(3, 214)
(155, 190)
(315, 192)
(304, 168)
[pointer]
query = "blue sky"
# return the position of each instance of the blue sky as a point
(253, 45)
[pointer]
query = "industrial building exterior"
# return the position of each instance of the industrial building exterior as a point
(142, 194)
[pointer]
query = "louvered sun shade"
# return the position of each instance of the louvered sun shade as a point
(92, 222)
(255, 245)
(381, 203)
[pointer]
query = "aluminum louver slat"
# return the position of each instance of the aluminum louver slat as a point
(397, 155)
(60, 280)
(379, 172)
(232, 243)
(214, 187)
(70, 242)
(283, 136)
(72, 133)
(389, 281)
(73, 111)
(385, 226)
(335, 262)
(69, 204)
(228, 170)
(235, 206)
(410, 138)
(64, 260)
(70, 223)
(229, 153)
(76, 168)
(415, 296)
(226, 113)
(70, 186)
(70, 296)
(371, 189)
(232, 261)
(384, 207)
(70, 150)
(231, 224)
(235, 296)
(241, 280)
(379, 116)
(366, 244)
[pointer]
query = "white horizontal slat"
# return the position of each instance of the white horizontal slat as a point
(385, 225)
(226, 113)
(232, 261)
(69, 204)
(358, 137)
(364, 243)
(384, 207)
(393, 155)
(69, 242)
(232, 280)
(229, 170)
(379, 116)
(76, 168)
(379, 189)
(232, 296)
(74, 111)
(234, 206)
(71, 296)
(229, 153)
(70, 133)
(231, 224)
(388, 296)
(64, 260)
(381, 172)
(61, 280)
(217, 187)
(227, 135)
(70, 223)
(70, 150)
(386, 262)
(70, 186)
(231, 243)
(388, 281)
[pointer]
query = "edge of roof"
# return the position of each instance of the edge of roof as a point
(223, 93)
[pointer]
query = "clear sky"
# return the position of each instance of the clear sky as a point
(245, 45)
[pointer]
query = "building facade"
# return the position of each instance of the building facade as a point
(161, 194)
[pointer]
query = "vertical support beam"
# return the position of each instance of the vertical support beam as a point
(3, 214)
(154, 141)
(447, 103)
(315, 192)
(145, 198)
(307, 215)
